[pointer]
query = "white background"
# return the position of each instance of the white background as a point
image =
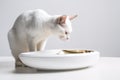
(97, 27)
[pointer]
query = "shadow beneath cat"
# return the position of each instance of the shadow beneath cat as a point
(28, 70)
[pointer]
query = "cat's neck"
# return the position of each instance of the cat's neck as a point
(50, 24)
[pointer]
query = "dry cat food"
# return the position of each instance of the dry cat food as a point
(76, 51)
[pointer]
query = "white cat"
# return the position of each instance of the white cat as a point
(32, 29)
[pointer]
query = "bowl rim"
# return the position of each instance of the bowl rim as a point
(37, 54)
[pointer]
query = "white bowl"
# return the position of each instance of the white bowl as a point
(51, 60)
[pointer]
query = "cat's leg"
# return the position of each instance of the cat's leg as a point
(41, 45)
(14, 46)
(19, 65)
(17, 48)
(32, 45)
(18, 62)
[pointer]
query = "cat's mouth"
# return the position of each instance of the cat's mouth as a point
(64, 38)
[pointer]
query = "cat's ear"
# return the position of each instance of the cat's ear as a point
(72, 17)
(61, 20)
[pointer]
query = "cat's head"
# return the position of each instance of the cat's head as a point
(63, 26)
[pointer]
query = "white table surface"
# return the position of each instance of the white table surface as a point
(108, 68)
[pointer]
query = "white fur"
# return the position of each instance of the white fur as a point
(32, 29)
